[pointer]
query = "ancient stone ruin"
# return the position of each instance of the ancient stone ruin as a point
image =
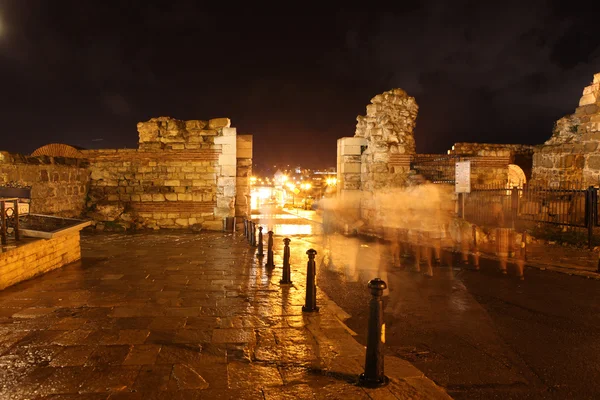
(380, 160)
(572, 154)
(185, 174)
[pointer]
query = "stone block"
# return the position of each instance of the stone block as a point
(244, 153)
(172, 183)
(171, 196)
(217, 123)
(182, 222)
(593, 162)
(199, 183)
(244, 141)
(228, 170)
(158, 197)
(229, 191)
(589, 98)
(226, 181)
(226, 140)
(227, 159)
(229, 131)
(353, 168)
(195, 124)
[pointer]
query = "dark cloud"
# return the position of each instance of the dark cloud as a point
(483, 71)
(295, 80)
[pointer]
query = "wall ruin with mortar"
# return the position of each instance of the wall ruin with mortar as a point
(184, 174)
(59, 185)
(490, 161)
(572, 154)
(377, 158)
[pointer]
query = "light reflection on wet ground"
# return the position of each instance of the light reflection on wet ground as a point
(286, 225)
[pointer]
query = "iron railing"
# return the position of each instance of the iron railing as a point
(569, 208)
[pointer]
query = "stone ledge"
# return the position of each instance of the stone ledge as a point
(35, 257)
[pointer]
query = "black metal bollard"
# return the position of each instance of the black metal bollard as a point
(252, 233)
(269, 262)
(260, 253)
(246, 229)
(374, 376)
(310, 303)
(286, 279)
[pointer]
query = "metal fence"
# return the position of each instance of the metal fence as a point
(436, 169)
(567, 209)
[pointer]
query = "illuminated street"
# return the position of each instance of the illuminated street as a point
(480, 335)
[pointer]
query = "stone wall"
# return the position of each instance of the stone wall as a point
(571, 155)
(388, 128)
(58, 185)
(184, 174)
(490, 162)
(378, 157)
(244, 172)
(33, 257)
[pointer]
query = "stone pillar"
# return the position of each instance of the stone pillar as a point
(348, 173)
(244, 171)
(226, 179)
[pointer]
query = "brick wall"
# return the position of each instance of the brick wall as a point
(58, 185)
(34, 257)
(162, 188)
(184, 174)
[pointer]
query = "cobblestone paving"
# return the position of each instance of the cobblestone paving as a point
(180, 316)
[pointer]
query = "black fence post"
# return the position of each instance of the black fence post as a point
(246, 228)
(310, 303)
(269, 262)
(286, 279)
(3, 221)
(514, 205)
(591, 207)
(260, 253)
(374, 369)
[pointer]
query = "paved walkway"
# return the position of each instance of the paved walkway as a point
(182, 316)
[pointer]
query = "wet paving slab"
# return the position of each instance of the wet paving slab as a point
(177, 316)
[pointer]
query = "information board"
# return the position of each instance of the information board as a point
(462, 178)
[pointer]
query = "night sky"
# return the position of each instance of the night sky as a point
(85, 72)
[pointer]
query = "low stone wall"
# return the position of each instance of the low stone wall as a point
(58, 184)
(33, 257)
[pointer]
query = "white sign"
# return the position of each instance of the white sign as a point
(462, 178)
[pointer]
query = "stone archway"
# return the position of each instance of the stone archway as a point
(516, 176)
(58, 150)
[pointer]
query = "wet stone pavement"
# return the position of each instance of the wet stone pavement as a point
(182, 316)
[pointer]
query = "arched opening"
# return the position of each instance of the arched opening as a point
(516, 176)
(58, 150)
